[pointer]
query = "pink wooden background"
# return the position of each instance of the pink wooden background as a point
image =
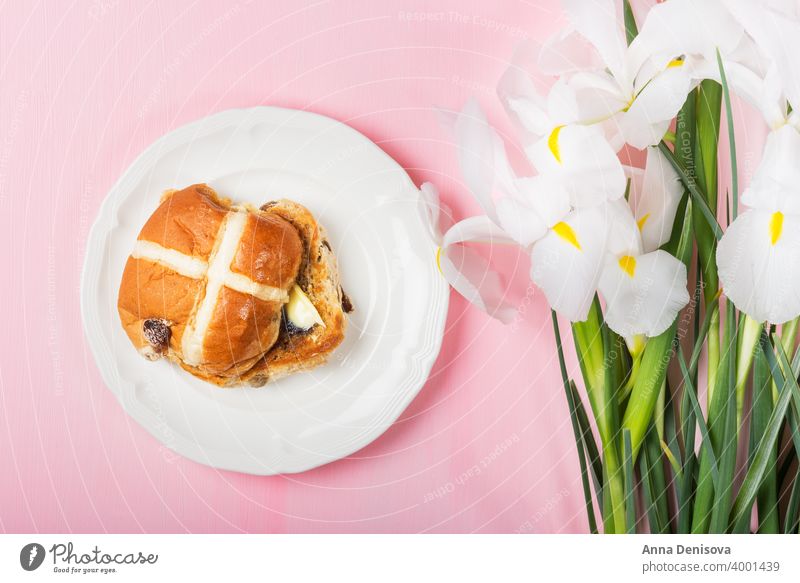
(487, 445)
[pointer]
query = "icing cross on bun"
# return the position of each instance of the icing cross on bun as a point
(208, 285)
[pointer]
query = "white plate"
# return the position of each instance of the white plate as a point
(368, 204)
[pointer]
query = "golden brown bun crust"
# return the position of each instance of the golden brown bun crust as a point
(242, 329)
(319, 279)
(168, 296)
(270, 251)
(187, 220)
(245, 339)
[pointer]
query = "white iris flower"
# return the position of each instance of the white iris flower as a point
(579, 160)
(758, 41)
(759, 255)
(578, 228)
(558, 214)
(464, 268)
(601, 248)
(566, 263)
(655, 194)
(601, 80)
(644, 291)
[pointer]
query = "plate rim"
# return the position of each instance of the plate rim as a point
(105, 362)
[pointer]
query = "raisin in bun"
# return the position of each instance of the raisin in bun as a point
(231, 293)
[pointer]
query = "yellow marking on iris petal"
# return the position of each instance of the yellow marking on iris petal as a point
(675, 63)
(552, 143)
(439, 259)
(564, 231)
(628, 264)
(636, 345)
(641, 222)
(630, 104)
(776, 226)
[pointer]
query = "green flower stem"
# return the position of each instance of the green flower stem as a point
(630, 504)
(592, 452)
(731, 137)
(658, 416)
(788, 338)
(717, 407)
(690, 417)
(644, 394)
(599, 357)
(656, 356)
(695, 414)
(725, 431)
(588, 340)
(613, 382)
(767, 499)
(579, 436)
(631, 30)
(712, 348)
(654, 482)
(634, 374)
(614, 491)
(707, 114)
(762, 456)
(729, 433)
(792, 517)
(749, 334)
(708, 109)
(704, 495)
(789, 335)
(697, 197)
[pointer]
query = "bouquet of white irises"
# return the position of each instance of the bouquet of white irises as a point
(615, 250)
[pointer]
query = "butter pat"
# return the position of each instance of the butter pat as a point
(300, 311)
